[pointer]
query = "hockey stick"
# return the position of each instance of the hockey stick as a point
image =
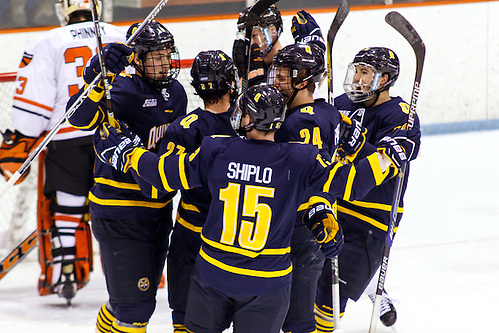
(399, 23)
(340, 16)
(18, 254)
(69, 112)
(105, 79)
(254, 12)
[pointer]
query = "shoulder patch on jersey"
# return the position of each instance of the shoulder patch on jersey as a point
(26, 59)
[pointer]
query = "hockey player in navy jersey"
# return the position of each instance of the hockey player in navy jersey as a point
(294, 71)
(365, 222)
(133, 229)
(49, 73)
(243, 271)
(214, 77)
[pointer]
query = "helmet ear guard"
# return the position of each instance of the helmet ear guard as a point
(65, 8)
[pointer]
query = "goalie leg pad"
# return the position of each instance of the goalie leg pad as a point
(65, 250)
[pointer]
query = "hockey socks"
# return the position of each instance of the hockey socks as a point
(105, 319)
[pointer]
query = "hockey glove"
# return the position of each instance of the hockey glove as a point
(320, 219)
(114, 146)
(117, 56)
(401, 147)
(306, 30)
(14, 151)
(352, 138)
(257, 71)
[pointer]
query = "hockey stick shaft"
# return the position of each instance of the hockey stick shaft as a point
(69, 112)
(254, 12)
(340, 16)
(18, 254)
(102, 62)
(399, 23)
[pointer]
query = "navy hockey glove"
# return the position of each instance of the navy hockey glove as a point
(320, 219)
(114, 146)
(117, 56)
(306, 30)
(402, 146)
(352, 138)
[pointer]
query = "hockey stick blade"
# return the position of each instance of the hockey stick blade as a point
(339, 18)
(260, 6)
(18, 254)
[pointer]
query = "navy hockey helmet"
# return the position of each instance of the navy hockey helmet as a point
(266, 106)
(364, 74)
(160, 71)
(213, 73)
(305, 62)
(270, 25)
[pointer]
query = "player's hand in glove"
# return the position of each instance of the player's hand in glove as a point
(14, 151)
(306, 30)
(257, 71)
(114, 146)
(352, 138)
(402, 146)
(320, 219)
(117, 56)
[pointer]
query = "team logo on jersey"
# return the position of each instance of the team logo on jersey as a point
(26, 60)
(166, 94)
(143, 284)
(150, 102)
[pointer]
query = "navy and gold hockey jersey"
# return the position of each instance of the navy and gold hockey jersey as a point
(256, 187)
(185, 135)
(372, 213)
(147, 112)
(316, 123)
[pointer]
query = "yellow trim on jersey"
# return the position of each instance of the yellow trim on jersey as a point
(327, 185)
(246, 253)
(189, 207)
(375, 205)
(364, 218)
(181, 171)
(349, 184)
(379, 176)
(188, 225)
(113, 183)
(162, 175)
(244, 271)
(154, 192)
(126, 203)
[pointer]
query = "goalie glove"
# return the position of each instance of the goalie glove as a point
(402, 146)
(306, 30)
(114, 146)
(320, 219)
(257, 71)
(117, 56)
(14, 151)
(352, 138)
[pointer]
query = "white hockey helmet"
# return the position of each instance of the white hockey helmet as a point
(64, 8)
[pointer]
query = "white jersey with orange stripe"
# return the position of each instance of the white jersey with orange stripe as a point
(50, 71)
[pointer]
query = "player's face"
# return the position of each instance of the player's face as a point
(282, 81)
(157, 64)
(264, 37)
(364, 77)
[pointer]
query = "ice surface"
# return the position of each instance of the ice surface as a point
(443, 268)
